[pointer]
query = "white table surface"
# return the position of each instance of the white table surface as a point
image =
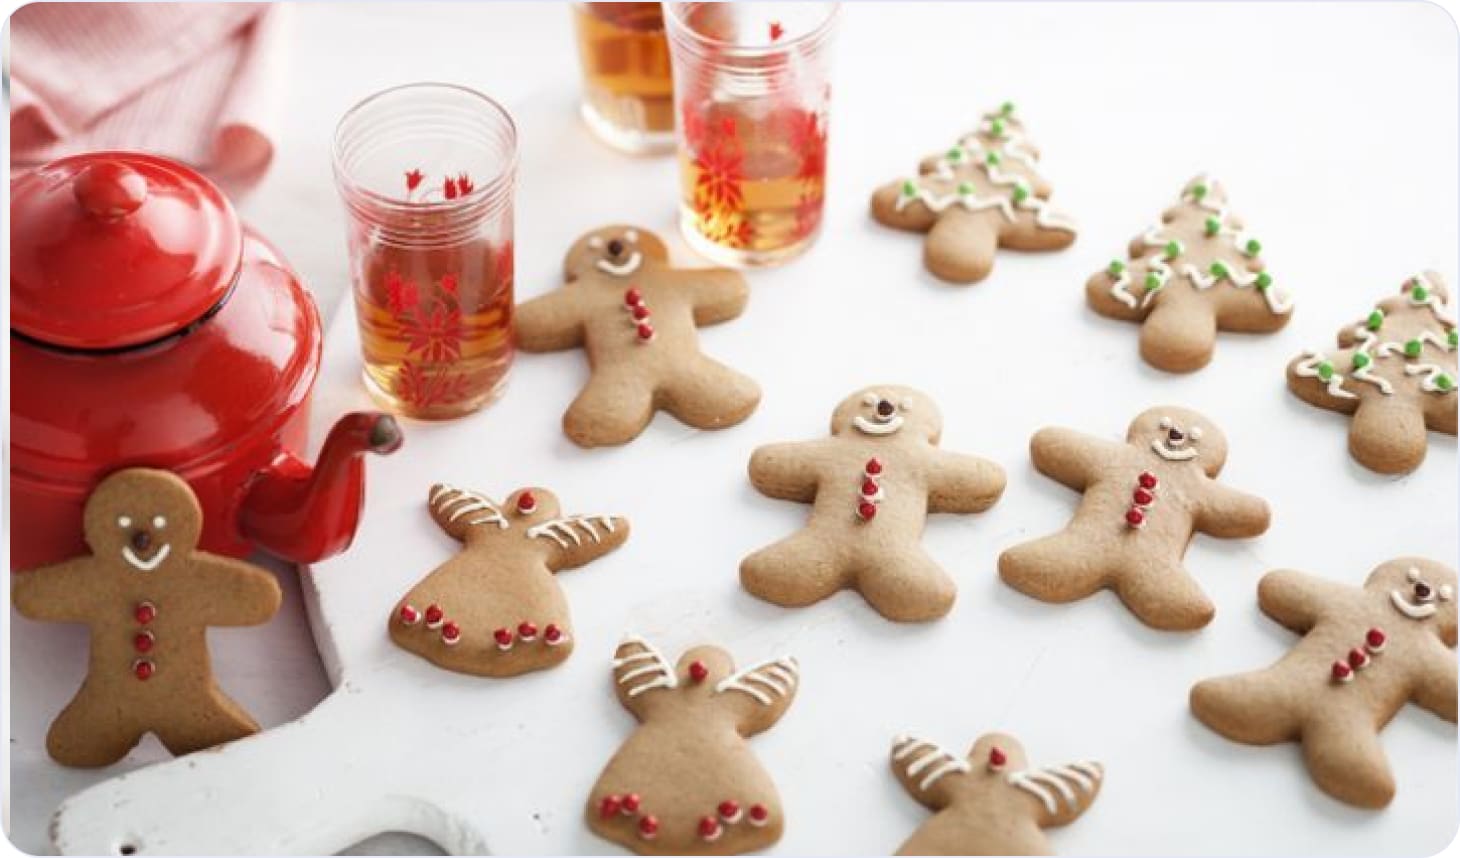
(1334, 128)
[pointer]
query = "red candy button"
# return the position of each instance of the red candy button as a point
(145, 612)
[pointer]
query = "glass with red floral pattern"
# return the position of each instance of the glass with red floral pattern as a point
(427, 173)
(752, 89)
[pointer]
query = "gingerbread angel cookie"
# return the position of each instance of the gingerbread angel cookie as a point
(871, 486)
(1394, 372)
(980, 195)
(495, 609)
(636, 316)
(1143, 500)
(1192, 274)
(1365, 652)
(686, 782)
(148, 596)
(992, 802)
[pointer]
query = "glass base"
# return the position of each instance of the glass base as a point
(445, 411)
(738, 257)
(628, 140)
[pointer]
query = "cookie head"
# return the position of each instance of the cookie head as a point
(1419, 591)
(1180, 435)
(143, 519)
(887, 411)
(615, 251)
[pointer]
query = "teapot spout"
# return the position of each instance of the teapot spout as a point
(306, 514)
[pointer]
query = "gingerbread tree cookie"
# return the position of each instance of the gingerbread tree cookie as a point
(1192, 274)
(980, 195)
(686, 782)
(148, 596)
(495, 609)
(636, 316)
(1143, 500)
(1365, 652)
(871, 486)
(1394, 372)
(991, 803)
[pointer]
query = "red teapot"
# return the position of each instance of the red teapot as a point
(149, 326)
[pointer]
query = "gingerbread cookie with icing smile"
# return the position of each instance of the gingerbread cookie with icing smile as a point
(871, 486)
(982, 194)
(1365, 653)
(1143, 501)
(636, 317)
(1194, 273)
(495, 609)
(148, 596)
(991, 802)
(686, 781)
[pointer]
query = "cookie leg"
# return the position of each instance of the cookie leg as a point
(905, 585)
(216, 720)
(614, 407)
(1163, 595)
(75, 739)
(706, 394)
(961, 245)
(1252, 708)
(1178, 337)
(1056, 568)
(1343, 753)
(1388, 435)
(802, 569)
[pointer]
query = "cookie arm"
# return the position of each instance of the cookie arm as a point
(577, 540)
(62, 593)
(759, 695)
(717, 294)
(237, 593)
(1229, 514)
(1070, 457)
(963, 483)
(1435, 682)
(928, 772)
(787, 471)
(1297, 599)
(550, 322)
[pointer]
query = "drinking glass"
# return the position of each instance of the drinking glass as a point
(427, 173)
(628, 95)
(751, 84)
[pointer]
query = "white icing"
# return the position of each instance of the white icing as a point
(621, 269)
(1084, 775)
(779, 675)
(124, 521)
(936, 760)
(446, 499)
(1415, 611)
(596, 242)
(558, 528)
(1308, 368)
(660, 673)
(880, 427)
(870, 398)
(1432, 300)
(150, 563)
(1178, 455)
(159, 522)
(1432, 373)
(632, 235)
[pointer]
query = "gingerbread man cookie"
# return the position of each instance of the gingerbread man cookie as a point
(1394, 372)
(495, 609)
(871, 486)
(980, 195)
(1143, 500)
(148, 596)
(686, 782)
(636, 316)
(991, 803)
(1365, 652)
(1192, 274)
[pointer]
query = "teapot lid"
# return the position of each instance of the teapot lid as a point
(110, 250)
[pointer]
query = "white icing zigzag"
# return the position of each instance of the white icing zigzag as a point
(918, 755)
(1309, 369)
(1064, 779)
(446, 499)
(648, 669)
(777, 675)
(558, 528)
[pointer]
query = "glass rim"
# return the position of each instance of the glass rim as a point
(483, 195)
(674, 24)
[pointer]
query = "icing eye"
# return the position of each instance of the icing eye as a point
(1446, 593)
(1165, 422)
(159, 522)
(1194, 433)
(905, 405)
(596, 242)
(870, 398)
(124, 521)
(1413, 574)
(632, 235)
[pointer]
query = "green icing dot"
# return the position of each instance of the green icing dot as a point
(1444, 382)
(1198, 191)
(955, 154)
(1006, 108)
(1214, 226)
(1021, 193)
(1173, 249)
(1453, 338)
(909, 188)
(996, 128)
(1117, 268)
(992, 158)
(1153, 282)
(1218, 269)
(1325, 371)
(1420, 294)
(1413, 348)
(1254, 247)
(1361, 360)
(1376, 320)
(965, 188)
(1264, 280)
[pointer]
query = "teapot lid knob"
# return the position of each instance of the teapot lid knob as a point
(110, 190)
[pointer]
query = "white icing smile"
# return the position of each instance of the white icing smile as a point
(621, 269)
(1180, 454)
(1413, 610)
(878, 426)
(150, 563)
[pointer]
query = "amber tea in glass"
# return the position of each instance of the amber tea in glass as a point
(628, 92)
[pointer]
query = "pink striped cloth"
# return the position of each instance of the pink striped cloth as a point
(199, 82)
